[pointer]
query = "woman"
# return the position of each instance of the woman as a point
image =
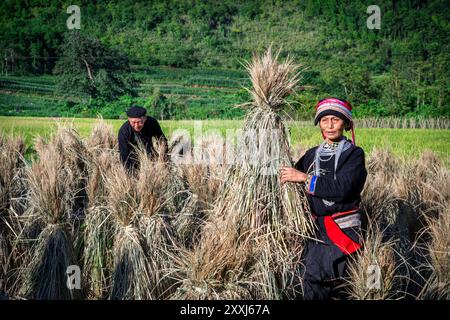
(334, 174)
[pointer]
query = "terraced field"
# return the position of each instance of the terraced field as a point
(196, 88)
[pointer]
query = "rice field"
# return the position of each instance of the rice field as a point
(75, 224)
(401, 142)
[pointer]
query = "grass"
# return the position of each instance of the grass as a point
(403, 142)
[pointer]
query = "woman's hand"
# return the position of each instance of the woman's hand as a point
(288, 174)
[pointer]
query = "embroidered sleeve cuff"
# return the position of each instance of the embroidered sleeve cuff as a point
(311, 185)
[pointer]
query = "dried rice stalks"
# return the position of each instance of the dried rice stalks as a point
(12, 188)
(11, 161)
(389, 200)
(52, 255)
(162, 192)
(438, 284)
(143, 204)
(372, 272)
(130, 272)
(203, 178)
(99, 228)
(252, 202)
(54, 181)
(102, 136)
(219, 267)
(131, 279)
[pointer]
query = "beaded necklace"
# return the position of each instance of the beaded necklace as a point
(328, 151)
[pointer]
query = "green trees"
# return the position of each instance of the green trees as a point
(400, 69)
(90, 69)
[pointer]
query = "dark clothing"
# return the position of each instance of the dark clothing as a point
(324, 263)
(128, 140)
(345, 190)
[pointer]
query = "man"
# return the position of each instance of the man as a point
(334, 174)
(138, 128)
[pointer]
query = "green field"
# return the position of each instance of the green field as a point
(406, 142)
(203, 92)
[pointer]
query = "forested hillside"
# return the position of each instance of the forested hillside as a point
(400, 69)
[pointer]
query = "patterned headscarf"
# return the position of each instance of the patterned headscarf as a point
(337, 107)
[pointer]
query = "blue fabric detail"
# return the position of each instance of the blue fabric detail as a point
(312, 184)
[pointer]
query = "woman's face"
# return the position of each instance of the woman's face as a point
(332, 127)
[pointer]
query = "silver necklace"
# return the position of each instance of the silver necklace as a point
(328, 151)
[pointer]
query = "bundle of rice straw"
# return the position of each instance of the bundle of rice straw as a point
(162, 195)
(388, 212)
(99, 230)
(101, 137)
(130, 274)
(220, 266)
(372, 272)
(52, 216)
(203, 168)
(253, 208)
(402, 199)
(438, 284)
(12, 191)
(12, 150)
(143, 204)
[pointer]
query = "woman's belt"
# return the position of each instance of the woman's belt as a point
(347, 219)
(338, 221)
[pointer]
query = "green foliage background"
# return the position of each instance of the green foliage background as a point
(398, 70)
